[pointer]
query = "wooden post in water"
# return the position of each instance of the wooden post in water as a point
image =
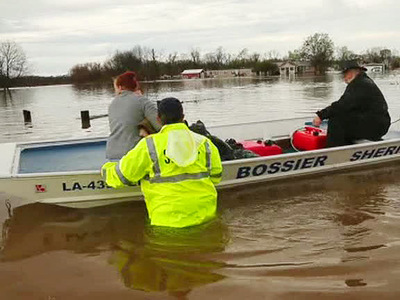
(85, 118)
(27, 117)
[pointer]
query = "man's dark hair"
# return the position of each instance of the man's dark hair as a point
(170, 110)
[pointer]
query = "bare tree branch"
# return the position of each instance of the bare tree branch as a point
(13, 62)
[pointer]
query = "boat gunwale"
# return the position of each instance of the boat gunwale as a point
(50, 143)
(21, 146)
(323, 150)
(15, 174)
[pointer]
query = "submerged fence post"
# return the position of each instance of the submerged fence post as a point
(27, 117)
(85, 118)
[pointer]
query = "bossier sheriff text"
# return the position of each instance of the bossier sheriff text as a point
(279, 167)
(312, 162)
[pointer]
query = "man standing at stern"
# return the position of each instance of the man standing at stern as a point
(361, 112)
(177, 170)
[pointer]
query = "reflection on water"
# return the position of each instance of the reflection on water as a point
(172, 260)
(313, 238)
(150, 259)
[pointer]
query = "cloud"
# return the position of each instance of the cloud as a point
(58, 34)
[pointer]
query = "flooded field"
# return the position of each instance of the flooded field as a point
(333, 237)
(56, 109)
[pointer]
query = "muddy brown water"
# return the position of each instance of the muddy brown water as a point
(331, 237)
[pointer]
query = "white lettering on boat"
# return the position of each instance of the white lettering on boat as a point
(286, 166)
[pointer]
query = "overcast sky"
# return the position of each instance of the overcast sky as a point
(57, 34)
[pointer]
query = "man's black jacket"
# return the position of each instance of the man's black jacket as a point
(362, 100)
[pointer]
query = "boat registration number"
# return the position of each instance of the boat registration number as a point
(78, 186)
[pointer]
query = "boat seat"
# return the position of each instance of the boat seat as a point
(85, 156)
(391, 135)
(362, 141)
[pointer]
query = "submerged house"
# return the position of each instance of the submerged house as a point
(375, 68)
(193, 73)
(296, 67)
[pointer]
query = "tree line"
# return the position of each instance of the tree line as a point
(151, 64)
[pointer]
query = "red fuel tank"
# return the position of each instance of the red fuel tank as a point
(309, 138)
(262, 148)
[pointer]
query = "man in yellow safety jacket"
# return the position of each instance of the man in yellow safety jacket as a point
(176, 169)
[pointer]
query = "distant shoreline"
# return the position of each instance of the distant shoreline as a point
(42, 81)
(106, 82)
(32, 81)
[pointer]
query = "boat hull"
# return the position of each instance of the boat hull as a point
(88, 190)
(85, 189)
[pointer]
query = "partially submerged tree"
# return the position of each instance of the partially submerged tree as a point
(395, 64)
(318, 49)
(386, 54)
(13, 63)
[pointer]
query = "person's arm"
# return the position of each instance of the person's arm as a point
(216, 164)
(317, 121)
(150, 113)
(350, 100)
(133, 167)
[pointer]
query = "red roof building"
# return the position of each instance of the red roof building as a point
(193, 73)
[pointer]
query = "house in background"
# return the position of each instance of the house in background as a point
(375, 68)
(229, 73)
(295, 68)
(193, 73)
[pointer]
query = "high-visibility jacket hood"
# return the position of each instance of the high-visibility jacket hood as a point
(183, 144)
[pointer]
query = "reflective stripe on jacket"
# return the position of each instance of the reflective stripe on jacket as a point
(177, 170)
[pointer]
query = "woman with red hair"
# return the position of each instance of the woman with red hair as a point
(126, 111)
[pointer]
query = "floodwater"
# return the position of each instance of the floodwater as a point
(333, 237)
